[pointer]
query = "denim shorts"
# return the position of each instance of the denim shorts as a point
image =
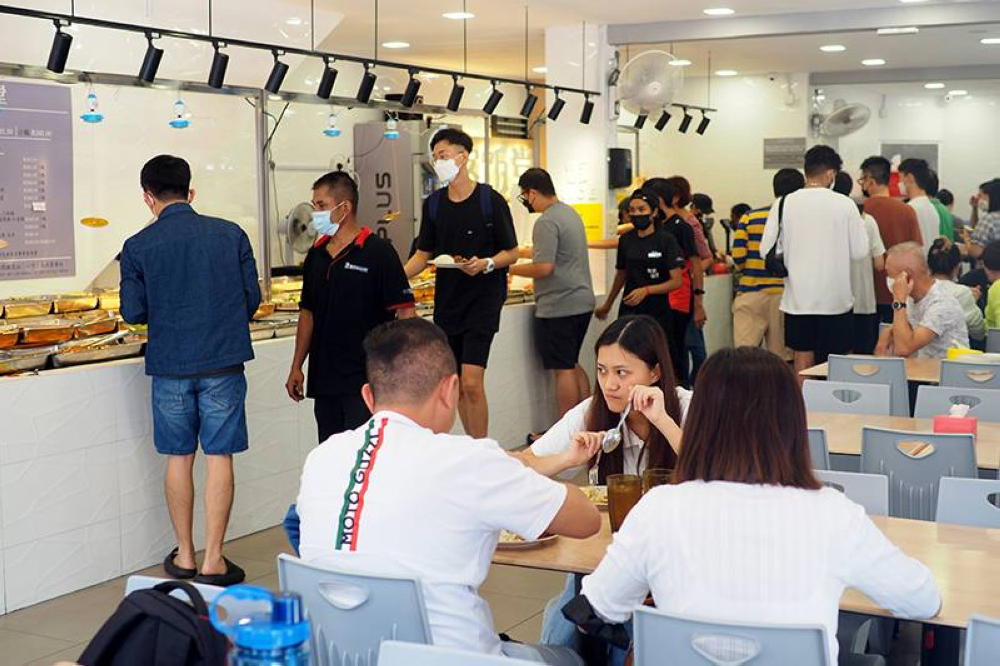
(211, 410)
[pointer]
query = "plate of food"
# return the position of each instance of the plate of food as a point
(597, 494)
(510, 541)
(448, 261)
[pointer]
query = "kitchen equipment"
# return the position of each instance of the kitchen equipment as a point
(23, 360)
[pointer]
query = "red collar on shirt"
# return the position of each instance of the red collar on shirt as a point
(359, 240)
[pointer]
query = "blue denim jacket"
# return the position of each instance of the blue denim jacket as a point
(193, 279)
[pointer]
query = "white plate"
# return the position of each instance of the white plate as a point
(436, 265)
(527, 545)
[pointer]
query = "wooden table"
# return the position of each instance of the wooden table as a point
(922, 370)
(965, 562)
(843, 433)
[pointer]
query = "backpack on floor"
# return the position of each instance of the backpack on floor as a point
(152, 628)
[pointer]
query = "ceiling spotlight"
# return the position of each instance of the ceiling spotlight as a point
(396, 45)
(277, 75)
(493, 101)
(540, 70)
(327, 80)
(220, 61)
(958, 93)
(459, 16)
(664, 118)
(588, 110)
(530, 100)
(151, 61)
(726, 72)
(719, 11)
(59, 51)
(409, 97)
(367, 85)
(557, 107)
(685, 122)
(640, 121)
(680, 62)
(703, 125)
(873, 62)
(455, 98)
(936, 85)
(833, 48)
(909, 30)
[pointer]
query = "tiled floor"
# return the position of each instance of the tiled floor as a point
(58, 630)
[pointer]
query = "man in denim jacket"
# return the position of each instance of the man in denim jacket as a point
(193, 280)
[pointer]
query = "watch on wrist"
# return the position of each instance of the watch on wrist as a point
(490, 265)
(898, 305)
(699, 292)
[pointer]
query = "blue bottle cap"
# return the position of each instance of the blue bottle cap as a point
(259, 620)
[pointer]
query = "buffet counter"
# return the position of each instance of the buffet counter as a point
(81, 487)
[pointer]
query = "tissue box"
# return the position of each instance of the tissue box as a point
(956, 425)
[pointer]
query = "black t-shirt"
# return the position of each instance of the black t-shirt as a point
(648, 261)
(683, 234)
(348, 296)
(463, 302)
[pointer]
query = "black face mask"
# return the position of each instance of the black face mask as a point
(524, 202)
(642, 222)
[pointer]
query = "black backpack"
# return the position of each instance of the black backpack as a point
(153, 628)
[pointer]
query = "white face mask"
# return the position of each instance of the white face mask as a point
(983, 206)
(446, 170)
(902, 187)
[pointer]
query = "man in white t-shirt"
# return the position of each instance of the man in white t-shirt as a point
(914, 179)
(401, 496)
(927, 319)
(820, 234)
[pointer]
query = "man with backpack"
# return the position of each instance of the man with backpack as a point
(472, 223)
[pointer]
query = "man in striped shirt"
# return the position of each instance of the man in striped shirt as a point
(756, 314)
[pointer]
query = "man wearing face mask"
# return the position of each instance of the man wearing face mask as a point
(471, 222)
(564, 293)
(195, 357)
(352, 282)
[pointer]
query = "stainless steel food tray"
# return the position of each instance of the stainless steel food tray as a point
(108, 353)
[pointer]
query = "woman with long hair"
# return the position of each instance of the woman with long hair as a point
(748, 534)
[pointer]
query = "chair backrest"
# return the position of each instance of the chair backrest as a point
(871, 370)
(818, 449)
(352, 613)
(914, 476)
(970, 374)
(933, 401)
(993, 341)
(869, 490)
(137, 582)
(967, 502)
(695, 642)
(846, 397)
(397, 653)
(982, 641)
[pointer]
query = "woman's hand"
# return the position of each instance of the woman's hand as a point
(648, 401)
(582, 447)
(636, 296)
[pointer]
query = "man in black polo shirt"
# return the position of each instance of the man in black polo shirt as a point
(353, 281)
(471, 222)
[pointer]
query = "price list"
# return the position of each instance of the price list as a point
(36, 182)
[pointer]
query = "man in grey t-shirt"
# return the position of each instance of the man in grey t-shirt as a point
(927, 320)
(564, 293)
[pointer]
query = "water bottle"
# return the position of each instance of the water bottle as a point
(265, 629)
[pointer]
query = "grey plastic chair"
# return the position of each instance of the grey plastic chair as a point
(396, 653)
(846, 397)
(818, 449)
(913, 481)
(352, 613)
(982, 641)
(137, 582)
(870, 370)
(969, 374)
(967, 502)
(993, 341)
(933, 401)
(869, 490)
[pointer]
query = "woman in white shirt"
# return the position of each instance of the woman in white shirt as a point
(748, 534)
(944, 260)
(633, 366)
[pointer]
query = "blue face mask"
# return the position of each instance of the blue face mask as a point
(323, 223)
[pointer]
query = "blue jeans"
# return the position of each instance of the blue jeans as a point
(694, 343)
(210, 410)
(291, 524)
(558, 631)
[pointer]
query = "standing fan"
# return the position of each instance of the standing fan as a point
(296, 232)
(648, 82)
(843, 120)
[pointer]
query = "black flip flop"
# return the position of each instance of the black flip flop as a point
(234, 575)
(175, 571)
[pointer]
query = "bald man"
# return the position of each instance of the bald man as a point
(926, 319)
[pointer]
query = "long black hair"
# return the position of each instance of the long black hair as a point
(642, 337)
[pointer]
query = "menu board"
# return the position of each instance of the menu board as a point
(36, 182)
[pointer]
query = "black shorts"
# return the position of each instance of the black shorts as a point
(822, 334)
(471, 347)
(559, 340)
